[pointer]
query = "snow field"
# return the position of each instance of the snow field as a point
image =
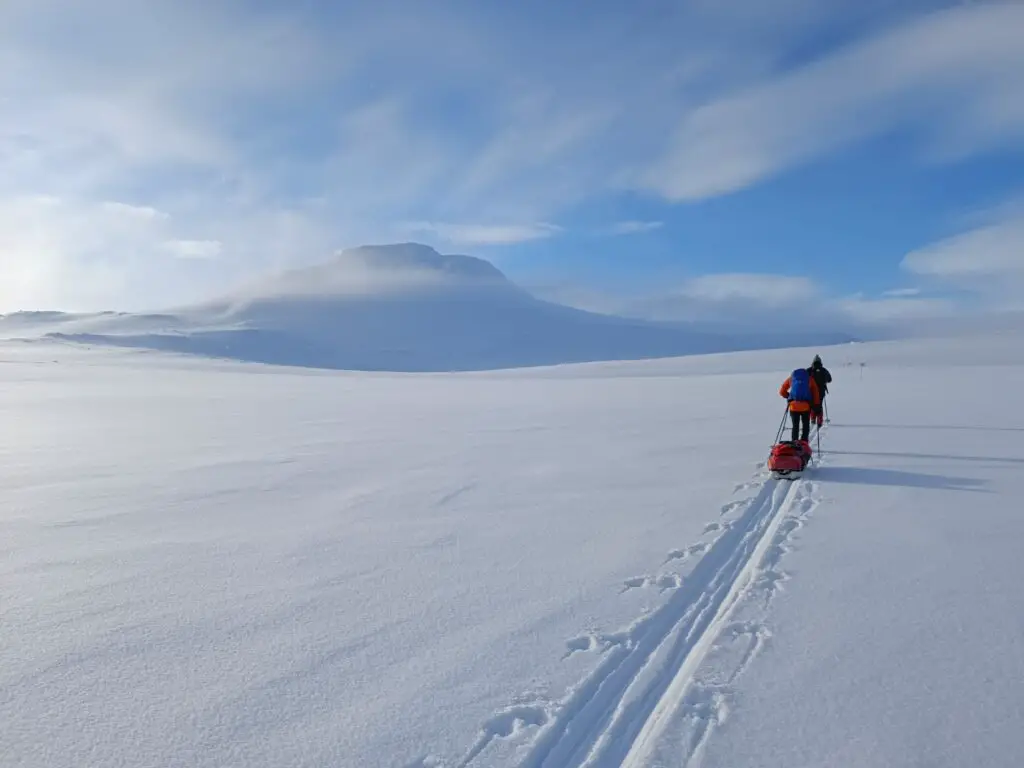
(211, 564)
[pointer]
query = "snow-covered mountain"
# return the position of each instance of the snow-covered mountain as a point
(401, 307)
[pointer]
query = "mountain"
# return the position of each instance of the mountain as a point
(399, 307)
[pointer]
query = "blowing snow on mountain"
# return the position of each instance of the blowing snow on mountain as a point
(400, 307)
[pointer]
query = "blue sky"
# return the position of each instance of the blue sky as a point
(662, 158)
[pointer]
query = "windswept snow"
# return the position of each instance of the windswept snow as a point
(208, 563)
(402, 307)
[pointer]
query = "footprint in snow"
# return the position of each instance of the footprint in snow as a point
(506, 725)
(635, 583)
(686, 553)
(594, 642)
(740, 629)
(787, 526)
(664, 582)
(580, 645)
(732, 506)
(753, 636)
(769, 583)
(706, 708)
(668, 581)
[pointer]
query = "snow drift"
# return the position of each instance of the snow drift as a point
(401, 307)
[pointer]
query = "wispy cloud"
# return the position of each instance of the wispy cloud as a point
(128, 143)
(634, 227)
(56, 252)
(485, 234)
(195, 249)
(762, 304)
(993, 252)
(956, 75)
(986, 262)
(901, 293)
(765, 289)
(887, 310)
(112, 93)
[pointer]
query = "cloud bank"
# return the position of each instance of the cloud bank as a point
(956, 76)
(259, 137)
(766, 304)
(986, 262)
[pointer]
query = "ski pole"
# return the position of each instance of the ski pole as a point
(778, 435)
(782, 425)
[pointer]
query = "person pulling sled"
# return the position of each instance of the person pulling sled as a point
(822, 378)
(801, 390)
(789, 459)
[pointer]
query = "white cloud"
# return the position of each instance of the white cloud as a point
(195, 249)
(101, 93)
(994, 251)
(957, 75)
(889, 310)
(485, 234)
(634, 227)
(80, 255)
(763, 305)
(902, 293)
(763, 289)
(984, 264)
(68, 253)
(126, 211)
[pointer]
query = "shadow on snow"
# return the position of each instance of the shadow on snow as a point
(932, 456)
(898, 477)
(939, 427)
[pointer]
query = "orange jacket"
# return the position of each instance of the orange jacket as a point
(800, 407)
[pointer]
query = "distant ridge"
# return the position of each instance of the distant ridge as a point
(390, 307)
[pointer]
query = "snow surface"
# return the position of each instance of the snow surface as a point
(208, 563)
(399, 307)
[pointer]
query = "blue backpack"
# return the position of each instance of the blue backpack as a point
(800, 386)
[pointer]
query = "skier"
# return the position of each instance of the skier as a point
(822, 378)
(802, 392)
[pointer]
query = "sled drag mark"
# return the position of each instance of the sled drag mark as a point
(621, 708)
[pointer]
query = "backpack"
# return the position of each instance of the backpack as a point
(800, 386)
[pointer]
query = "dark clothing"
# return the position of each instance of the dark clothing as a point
(822, 378)
(801, 425)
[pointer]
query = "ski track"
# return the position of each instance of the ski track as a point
(694, 708)
(647, 684)
(648, 691)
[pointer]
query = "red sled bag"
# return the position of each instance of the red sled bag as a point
(789, 458)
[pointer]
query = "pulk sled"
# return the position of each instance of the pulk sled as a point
(789, 458)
